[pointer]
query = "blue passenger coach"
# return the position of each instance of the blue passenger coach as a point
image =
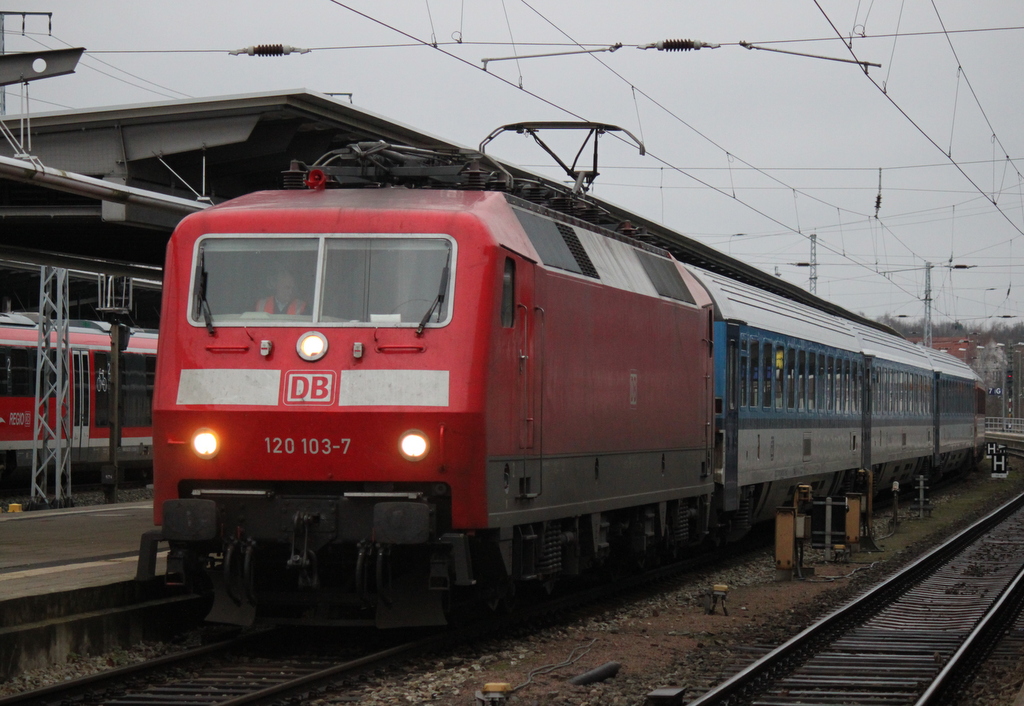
(806, 397)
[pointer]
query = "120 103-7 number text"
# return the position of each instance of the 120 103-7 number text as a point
(288, 445)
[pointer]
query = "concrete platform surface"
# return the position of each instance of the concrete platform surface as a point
(67, 585)
(53, 551)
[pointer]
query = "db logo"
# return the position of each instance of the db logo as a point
(308, 388)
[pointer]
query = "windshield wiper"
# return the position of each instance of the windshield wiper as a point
(439, 299)
(204, 305)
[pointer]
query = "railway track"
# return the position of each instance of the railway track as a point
(250, 669)
(914, 639)
(290, 663)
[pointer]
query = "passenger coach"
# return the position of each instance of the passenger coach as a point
(805, 397)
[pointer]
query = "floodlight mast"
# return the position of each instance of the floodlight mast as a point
(24, 15)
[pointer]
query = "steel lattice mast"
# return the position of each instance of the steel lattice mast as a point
(52, 412)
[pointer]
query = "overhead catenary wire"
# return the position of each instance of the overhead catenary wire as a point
(731, 191)
(709, 140)
(921, 130)
(88, 57)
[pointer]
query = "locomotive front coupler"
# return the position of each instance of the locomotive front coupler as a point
(305, 560)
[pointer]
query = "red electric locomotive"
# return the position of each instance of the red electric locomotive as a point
(372, 401)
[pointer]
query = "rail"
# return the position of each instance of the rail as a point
(897, 640)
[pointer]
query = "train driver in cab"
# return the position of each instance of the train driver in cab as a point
(285, 298)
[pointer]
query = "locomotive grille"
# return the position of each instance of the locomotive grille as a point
(681, 524)
(744, 513)
(551, 554)
(576, 248)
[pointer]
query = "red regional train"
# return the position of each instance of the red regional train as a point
(89, 366)
(373, 402)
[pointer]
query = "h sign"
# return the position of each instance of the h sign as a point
(308, 388)
(999, 466)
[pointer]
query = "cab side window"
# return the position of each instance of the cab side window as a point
(508, 294)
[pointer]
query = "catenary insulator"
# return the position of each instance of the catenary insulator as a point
(679, 45)
(269, 50)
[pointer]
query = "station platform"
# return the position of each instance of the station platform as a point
(67, 585)
(54, 551)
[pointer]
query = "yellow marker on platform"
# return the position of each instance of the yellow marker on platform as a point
(14, 507)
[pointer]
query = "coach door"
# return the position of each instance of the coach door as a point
(530, 326)
(731, 418)
(80, 404)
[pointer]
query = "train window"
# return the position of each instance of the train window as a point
(822, 383)
(766, 375)
(812, 369)
(893, 392)
(239, 278)
(137, 373)
(386, 280)
(743, 377)
(829, 383)
(901, 387)
(904, 392)
(883, 390)
(780, 352)
(858, 388)
(801, 377)
(840, 386)
(23, 372)
(76, 388)
(854, 386)
(755, 378)
(508, 294)
(5, 372)
(731, 369)
(790, 379)
(880, 392)
(846, 385)
(665, 277)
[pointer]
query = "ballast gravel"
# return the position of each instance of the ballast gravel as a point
(662, 639)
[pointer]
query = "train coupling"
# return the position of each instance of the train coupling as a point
(302, 557)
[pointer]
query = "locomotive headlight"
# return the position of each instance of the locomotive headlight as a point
(311, 345)
(205, 443)
(413, 445)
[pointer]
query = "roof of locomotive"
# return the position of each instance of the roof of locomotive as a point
(395, 198)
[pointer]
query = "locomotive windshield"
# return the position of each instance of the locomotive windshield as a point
(344, 280)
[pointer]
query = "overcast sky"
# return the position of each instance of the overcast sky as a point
(749, 151)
